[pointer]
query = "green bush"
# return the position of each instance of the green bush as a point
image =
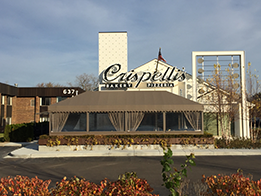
(173, 178)
(41, 128)
(19, 132)
(7, 131)
(236, 143)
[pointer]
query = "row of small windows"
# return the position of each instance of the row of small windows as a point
(47, 100)
(43, 100)
(9, 100)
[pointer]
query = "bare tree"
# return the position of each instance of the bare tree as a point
(48, 84)
(254, 97)
(87, 82)
(225, 98)
(255, 114)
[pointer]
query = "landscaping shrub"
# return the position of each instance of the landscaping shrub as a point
(7, 131)
(234, 184)
(19, 132)
(236, 143)
(25, 132)
(128, 184)
(22, 185)
(76, 186)
(40, 128)
(123, 141)
(141, 136)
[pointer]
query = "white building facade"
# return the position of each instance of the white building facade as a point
(160, 76)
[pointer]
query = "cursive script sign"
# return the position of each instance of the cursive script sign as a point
(112, 74)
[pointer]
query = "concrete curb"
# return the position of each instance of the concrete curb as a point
(31, 151)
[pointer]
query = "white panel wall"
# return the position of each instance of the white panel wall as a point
(113, 49)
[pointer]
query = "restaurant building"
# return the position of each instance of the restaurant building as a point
(155, 97)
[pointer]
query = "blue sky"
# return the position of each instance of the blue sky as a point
(56, 40)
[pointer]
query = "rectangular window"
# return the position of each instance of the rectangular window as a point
(100, 122)
(32, 102)
(58, 99)
(2, 99)
(151, 122)
(8, 121)
(75, 122)
(183, 121)
(9, 111)
(9, 100)
(44, 119)
(45, 101)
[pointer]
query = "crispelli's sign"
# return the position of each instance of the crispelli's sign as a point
(114, 79)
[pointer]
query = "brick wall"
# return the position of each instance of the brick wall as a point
(23, 111)
(37, 109)
(53, 100)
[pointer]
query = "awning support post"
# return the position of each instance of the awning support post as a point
(164, 121)
(125, 121)
(87, 122)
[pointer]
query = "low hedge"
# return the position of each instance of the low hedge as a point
(163, 140)
(25, 132)
(237, 143)
(127, 184)
(205, 135)
(19, 132)
(125, 140)
(22, 185)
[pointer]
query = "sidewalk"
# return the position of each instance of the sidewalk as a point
(30, 150)
(18, 144)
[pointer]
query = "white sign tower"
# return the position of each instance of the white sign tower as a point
(242, 128)
(113, 49)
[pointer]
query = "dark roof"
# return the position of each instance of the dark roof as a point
(120, 101)
(8, 90)
(48, 91)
